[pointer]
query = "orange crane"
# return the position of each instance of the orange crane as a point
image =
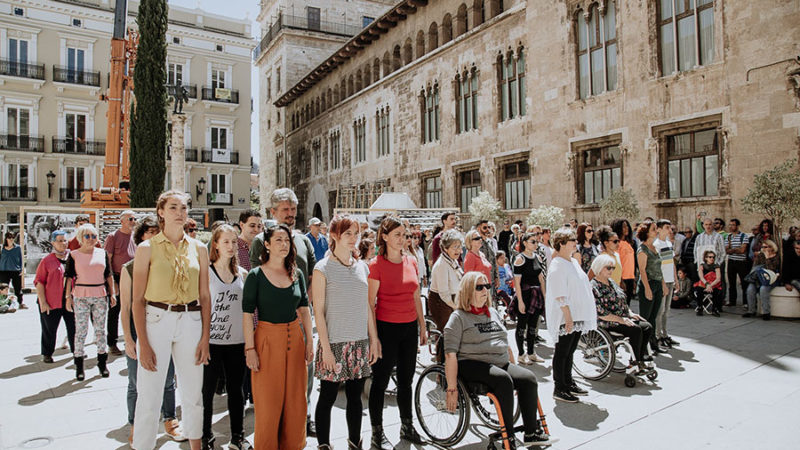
(115, 192)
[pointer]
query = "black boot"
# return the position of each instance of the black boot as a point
(379, 441)
(408, 433)
(78, 368)
(102, 358)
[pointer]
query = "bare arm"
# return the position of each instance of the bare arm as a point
(423, 330)
(305, 318)
(318, 296)
(451, 374)
(373, 286)
(141, 271)
(202, 353)
(125, 312)
(518, 292)
(719, 278)
(542, 284)
(641, 259)
(251, 355)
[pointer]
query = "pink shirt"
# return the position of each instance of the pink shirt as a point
(395, 301)
(89, 271)
(50, 274)
(121, 248)
(478, 263)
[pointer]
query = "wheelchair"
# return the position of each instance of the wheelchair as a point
(446, 428)
(601, 352)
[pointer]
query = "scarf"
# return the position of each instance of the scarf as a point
(479, 311)
(453, 263)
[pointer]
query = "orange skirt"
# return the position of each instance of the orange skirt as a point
(279, 387)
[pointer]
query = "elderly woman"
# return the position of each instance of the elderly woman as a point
(612, 309)
(476, 348)
(475, 260)
(570, 309)
(445, 279)
(87, 275)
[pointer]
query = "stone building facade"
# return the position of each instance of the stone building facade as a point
(54, 64)
(552, 103)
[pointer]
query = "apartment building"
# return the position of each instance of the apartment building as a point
(54, 65)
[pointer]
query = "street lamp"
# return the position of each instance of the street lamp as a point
(201, 186)
(51, 177)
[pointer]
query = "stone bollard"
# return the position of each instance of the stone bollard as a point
(783, 303)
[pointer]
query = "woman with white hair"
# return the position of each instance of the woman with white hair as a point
(87, 275)
(445, 279)
(569, 304)
(613, 312)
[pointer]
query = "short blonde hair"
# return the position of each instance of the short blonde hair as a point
(466, 290)
(85, 229)
(771, 244)
(468, 238)
(562, 236)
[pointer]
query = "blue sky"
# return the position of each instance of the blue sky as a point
(238, 9)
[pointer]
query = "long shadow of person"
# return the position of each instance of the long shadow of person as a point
(68, 387)
(584, 416)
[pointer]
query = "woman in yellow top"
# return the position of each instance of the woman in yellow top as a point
(171, 313)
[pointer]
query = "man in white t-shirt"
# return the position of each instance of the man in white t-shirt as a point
(665, 248)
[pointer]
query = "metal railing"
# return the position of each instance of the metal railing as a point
(24, 70)
(78, 146)
(18, 193)
(85, 77)
(69, 194)
(219, 199)
(303, 23)
(191, 90)
(22, 143)
(224, 95)
(208, 157)
(190, 154)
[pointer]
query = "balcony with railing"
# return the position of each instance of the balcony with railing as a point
(17, 193)
(22, 143)
(191, 90)
(303, 23)
(190, 154)
(224, 95)
(73, 76)
(70, 195)
(79, 146)
(220, 156)
(225, 198)
(20, 69)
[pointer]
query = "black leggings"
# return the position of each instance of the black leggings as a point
(562, 360)
(502, 382)
(630, 289)
(526, 330)
(399, 348)
(230, 361)
(328, 391)
(638, 335)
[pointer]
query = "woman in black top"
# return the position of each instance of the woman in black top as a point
(529, 279)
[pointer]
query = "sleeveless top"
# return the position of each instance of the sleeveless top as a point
(174, 275)
(226, 308)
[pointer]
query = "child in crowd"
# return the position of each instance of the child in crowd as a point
(8, 301)
(682, 296)
(505, 292)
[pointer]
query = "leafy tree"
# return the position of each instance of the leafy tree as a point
(775, 193)
(148, 159)
(547, 217)
(620, 203)
(486, 207)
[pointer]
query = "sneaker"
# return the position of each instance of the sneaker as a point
(173, 429)
(565, 396)
(523, 359)
(23, 306)
(538, 339)
(577, 390)
(664, 342)
(239, 443)
(534, 358)
(766, 316)
(47, 359)
(538, 437)
(114, 350)
(748, 314)
(672, 342)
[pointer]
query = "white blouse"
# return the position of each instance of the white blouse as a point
(568, 285)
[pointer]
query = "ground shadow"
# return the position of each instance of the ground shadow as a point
(584, 416)
(35, 365)
(62, 390)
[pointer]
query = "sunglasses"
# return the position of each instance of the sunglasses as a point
(611, 268)
(476, 238)
(408, 236)
(480, 287)
(615, 241)
(90, 236)
(572, 240)
(191, 230)
(590, 231)
(131, 219)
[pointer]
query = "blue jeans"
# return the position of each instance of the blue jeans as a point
(168, 404)
(763, 292)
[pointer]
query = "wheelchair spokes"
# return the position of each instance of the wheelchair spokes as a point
(442, 426)
(595, 355)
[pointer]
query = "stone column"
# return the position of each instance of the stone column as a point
(178, 153)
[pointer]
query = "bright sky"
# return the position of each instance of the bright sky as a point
(238, 9)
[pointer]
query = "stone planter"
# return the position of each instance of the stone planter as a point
(784, 303)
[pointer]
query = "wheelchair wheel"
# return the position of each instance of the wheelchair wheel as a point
(595, 356)
(623, 355)
(487, 413)
(443, 427)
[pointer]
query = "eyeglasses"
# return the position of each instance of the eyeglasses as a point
(590, 231)
(131, 219)
(90, 236)
(408, 236)
(611, 268)
(572, 240)
(191, 230)
(480, 287)
(615, 241)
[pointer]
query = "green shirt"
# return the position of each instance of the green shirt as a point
(653, 266)
(275, 305)
(5, 300)
(304, 253)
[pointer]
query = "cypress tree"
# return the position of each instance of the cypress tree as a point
(148, 143)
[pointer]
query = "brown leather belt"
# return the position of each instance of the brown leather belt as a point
(193, 306)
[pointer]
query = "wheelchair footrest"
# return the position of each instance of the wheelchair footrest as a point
(498, 435)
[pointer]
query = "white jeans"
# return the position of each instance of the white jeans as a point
(176, 334)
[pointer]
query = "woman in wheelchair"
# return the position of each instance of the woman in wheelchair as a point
(613, 312)
(477, 350)
(710, 285)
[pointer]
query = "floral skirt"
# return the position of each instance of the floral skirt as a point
(352, 361)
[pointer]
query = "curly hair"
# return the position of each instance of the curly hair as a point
(289, 262)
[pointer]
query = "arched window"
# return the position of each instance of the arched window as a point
(359, 81)
(387, 64)
(396, 58)
(336, 98)
(495, 8)
(317, 107)
(330, 98)
(351, 85)
(447, 29)
(324, 102)
(408, 54)
(461, 20)
(596, 50)
(513, 87)
(478, 12)
(376, 69)
(420, 44)
(433, 37)
(367, 75)
(343, 89)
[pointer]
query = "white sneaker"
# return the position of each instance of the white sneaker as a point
(524, 359)
(535, 358)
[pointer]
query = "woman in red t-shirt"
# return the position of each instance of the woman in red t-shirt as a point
(475, 260)
(394, 294)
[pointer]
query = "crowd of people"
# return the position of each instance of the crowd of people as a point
(235, 315)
